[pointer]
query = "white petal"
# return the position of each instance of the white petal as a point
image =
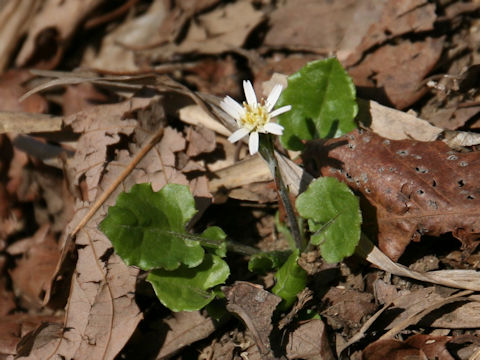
(249, 93)
(232, 108)
(281, 110)
(253, 143)
(237, 135)
(273, 97)
(274, 128)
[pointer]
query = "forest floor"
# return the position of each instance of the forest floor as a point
(86, 86)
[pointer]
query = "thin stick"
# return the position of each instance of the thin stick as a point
(139, 156)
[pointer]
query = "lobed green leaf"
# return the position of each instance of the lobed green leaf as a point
(147, 228)
(187, 289)
(333, 214)
(322, 96)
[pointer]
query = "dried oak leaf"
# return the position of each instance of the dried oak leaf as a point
(104, 126)
(255, 306)
(347, 307)
(11, 90)
(121, 48)
(17, 327)
(322, 26)
(394, 73)
(416, 187)
(7, 298)
(51, 30)
(309, 341)
(33, 273)
(434, 347)
(392, 350)
(184, 328)
(222, 29)
(397, 18)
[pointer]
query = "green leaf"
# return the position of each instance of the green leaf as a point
(147, 229)
(322, 96)
(334, 215)
(290, 280)
(187, 289)
(266, 261)
(216, 237)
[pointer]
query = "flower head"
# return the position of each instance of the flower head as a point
(253, 117)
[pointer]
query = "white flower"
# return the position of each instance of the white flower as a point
(253, 117)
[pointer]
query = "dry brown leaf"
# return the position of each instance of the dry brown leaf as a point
(309, 341)
(7, 298)
(296, 25)
(434, 347)
(195, 115)
(184, 328)
(51, 31)
(11, 90)
(221, 30)
(15, 16)
(80, 97)
(120, 49)
(105, 124)
(463, 315)
(416, 187)
(394, 73)
(394, 124)
(217, 76)
(255, 307)
(392, 350)
(33, 272)
(200, 140)
(347, 307)
(16, 326)
(397, 18)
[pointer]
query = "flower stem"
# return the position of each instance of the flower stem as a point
(267, 151)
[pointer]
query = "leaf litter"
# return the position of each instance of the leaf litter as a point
(63, 291)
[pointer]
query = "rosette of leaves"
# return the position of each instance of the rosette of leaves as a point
(147, 230)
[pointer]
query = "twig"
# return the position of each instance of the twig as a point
(139, 156)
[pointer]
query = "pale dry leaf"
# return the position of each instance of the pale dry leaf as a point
(184, 328)
(7, 298)
(395, 73)
(294, 25)
(55, 22)
(119, 49)
(200, 140)
(40, 253)
(195, 115)
(18, 325)
(11, 90)
(15, 17)
(255, 306)
(25, 123)
(394, 124)
(104, 125)
(459, 279)
(221, 30)
(309, 341)
(397, 18)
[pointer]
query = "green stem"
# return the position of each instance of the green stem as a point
(268, 153)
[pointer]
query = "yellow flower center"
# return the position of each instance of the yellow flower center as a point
(255, 118)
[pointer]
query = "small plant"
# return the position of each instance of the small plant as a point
(147, 228)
